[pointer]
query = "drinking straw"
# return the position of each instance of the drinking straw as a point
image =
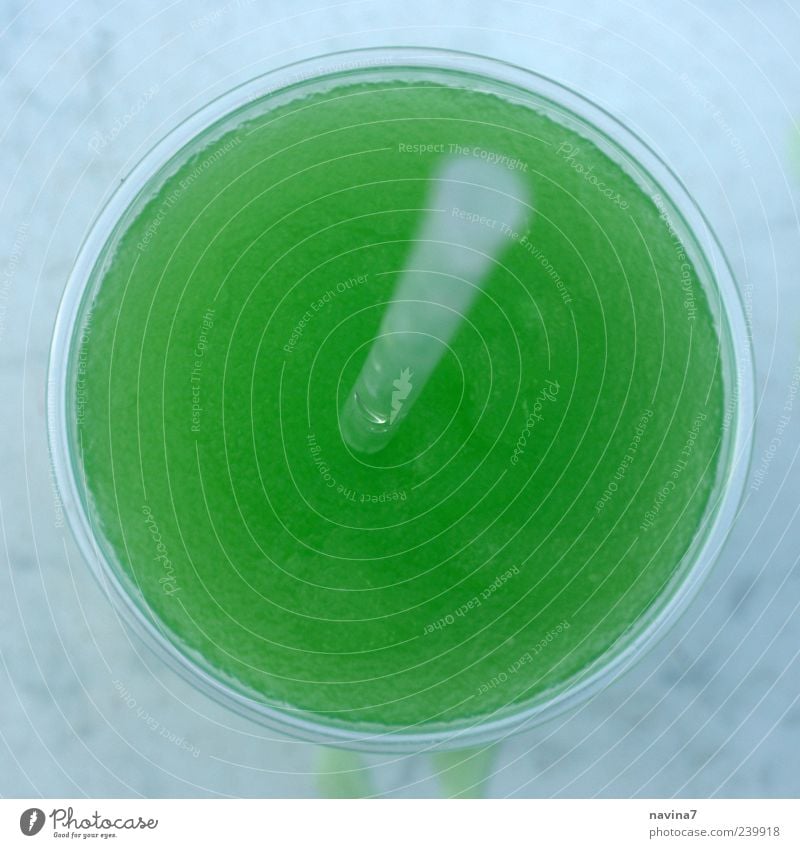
(474, 207)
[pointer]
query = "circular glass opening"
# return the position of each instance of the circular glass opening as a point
(400, 398)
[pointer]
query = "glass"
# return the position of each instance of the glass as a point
(479, 74)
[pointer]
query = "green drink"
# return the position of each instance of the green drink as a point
(397, 402)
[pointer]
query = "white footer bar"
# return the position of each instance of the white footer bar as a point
(402, 824)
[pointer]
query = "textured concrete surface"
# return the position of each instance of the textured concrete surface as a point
(713, 87)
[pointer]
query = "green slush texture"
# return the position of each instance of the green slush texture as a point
(283, 566)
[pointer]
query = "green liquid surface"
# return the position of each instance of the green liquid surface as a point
(535, 501)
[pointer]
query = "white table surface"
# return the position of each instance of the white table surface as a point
(713, 86)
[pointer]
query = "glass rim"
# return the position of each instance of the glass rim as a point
(735, 352)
